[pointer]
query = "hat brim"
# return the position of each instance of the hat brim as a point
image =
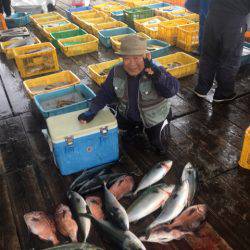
(120, 53)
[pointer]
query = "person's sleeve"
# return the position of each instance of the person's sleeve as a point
(106, 95)
(165, 84)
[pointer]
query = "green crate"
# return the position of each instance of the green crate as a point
(65, 34)
(137, 13)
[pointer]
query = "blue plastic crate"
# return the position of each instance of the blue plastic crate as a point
(81, 89)
(245, 59)
(78, 147)
(17, 20)
(104, 35)
(159, 52)
(173, 8)
(157, 5)
(118, 15)
(69, 11)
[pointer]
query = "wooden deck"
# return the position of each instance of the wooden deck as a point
(208, 135)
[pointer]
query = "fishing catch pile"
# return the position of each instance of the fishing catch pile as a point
(176, 219)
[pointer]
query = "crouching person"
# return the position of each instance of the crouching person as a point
(142, 90)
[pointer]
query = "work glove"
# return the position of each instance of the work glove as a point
(86, 116)
(151, 69)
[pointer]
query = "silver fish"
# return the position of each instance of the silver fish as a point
(80, 207)
(190, 174)
(115, 210)
(141, 207)
(173, 207)
(126, 240)
(188, 222)
(154, 175)
(75, 246)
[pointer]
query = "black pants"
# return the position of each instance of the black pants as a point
(154, 133)
(221, 51)
(5, 6)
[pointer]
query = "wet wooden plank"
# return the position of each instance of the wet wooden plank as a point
(5, 108)
(8, 232)
(20, 102)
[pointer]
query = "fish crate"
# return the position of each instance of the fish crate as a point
(69, 11)
(65, 34)
(77, 146)
(179, 64)
(65, 100)
(188, 37)
(64, 27)
(157, 5)
(245, 57)
(86, 24)
(176, 2)
(78, 20)
(99, 72)
(168, 29)
(78, 45)
(118, 15)
(140, 23)
(137, 13)
(45, 20)
(187, 15)
(36, 59)
(104, 35)
(138, 3)
(166, 11)
(116, 40)
(157, 48)
(104, 26)
(17, 20)
(83, 14)
(151, 30)
(9, 52)
(42, 15)
(49, 83)
(109, 7)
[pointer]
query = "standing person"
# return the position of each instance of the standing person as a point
(5, 7)
(222, 48)
(142, 91)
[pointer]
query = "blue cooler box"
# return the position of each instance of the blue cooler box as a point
(79, 146)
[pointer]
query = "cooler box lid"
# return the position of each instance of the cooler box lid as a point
(61, 127)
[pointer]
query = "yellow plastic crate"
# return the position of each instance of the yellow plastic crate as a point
(96, 69)
(116, 40)
(106, 5)
(10, 52)
(244, 161)
(104, 26)
(36, 59)
(176, 2)
(78, 45)
(187, 64)
(50, 83)
(162, 11)
(188, 37)
(168, 29)
(82, 14)
(49, 19)
(97, 14)
(140, 23)
(137, 3)
(38, 16)
(187, 15)
(69, 26)
(108, 11)
(88, 23)
(152, 30)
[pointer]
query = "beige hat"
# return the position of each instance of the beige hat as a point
(132, 45)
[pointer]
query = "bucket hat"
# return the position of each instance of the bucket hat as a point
(132, 45)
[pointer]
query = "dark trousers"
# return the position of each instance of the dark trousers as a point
(154, 133)
(5, 6)
(221, 51)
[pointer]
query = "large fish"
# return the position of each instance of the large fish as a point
(190, 174)
(80, 207)
(188, 222)
(75, 246)
(115, 210)
(122, 186)
(125, 240)
(174, 206)
(40, 224)
(149, 201)
(64, 222)
(95, 207)
(154, 175)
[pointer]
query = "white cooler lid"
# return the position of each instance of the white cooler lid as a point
(62, 126)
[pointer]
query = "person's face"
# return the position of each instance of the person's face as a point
(133, 65)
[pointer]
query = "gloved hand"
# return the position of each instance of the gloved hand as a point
(151, 69)
(86, 117)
